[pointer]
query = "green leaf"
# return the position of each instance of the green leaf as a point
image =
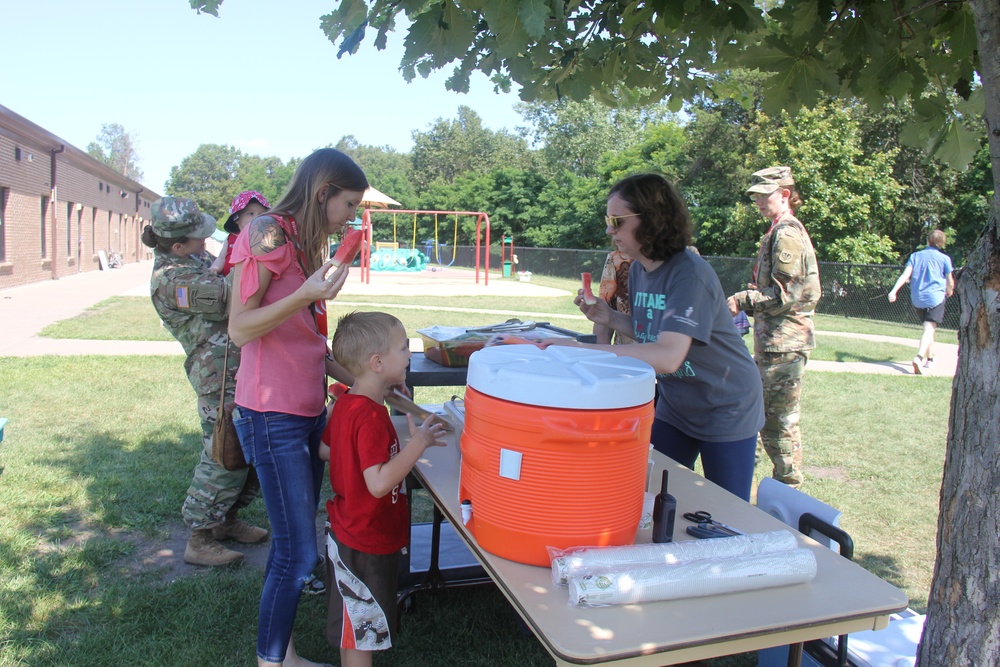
(426, 38)
(458, 30)
(960, 32)
(344, 20)
(805, 18)
(957, 145)
(975, 106)
(797, 81)
(533, 14)
(206, 6)
(504, 21)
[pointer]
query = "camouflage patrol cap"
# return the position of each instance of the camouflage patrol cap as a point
(174, 217)
(768, 180)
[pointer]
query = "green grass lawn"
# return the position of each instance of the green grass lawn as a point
(99, 452)
(117, 318)
(133, 318)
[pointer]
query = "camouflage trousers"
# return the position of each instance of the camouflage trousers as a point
(215, 491)
(781, 373)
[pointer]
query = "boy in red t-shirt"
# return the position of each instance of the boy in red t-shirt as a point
(369, 519)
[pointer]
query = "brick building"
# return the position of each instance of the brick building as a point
(62, 211)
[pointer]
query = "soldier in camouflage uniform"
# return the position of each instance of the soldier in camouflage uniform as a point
(781, 300)
(194, 306)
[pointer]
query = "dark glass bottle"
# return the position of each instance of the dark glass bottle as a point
(664, 509)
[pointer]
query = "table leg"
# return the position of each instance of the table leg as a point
(795, 655)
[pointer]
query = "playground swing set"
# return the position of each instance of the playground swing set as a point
(388, 255)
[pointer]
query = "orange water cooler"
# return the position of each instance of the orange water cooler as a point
(555, 448)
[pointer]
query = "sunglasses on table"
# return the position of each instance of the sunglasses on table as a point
(614, 221)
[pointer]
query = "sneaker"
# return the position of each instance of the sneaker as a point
(917, 361)
(313, 586)
(929, 363)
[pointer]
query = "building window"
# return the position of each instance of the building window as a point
(3, 224)
(93, 231)
(45, 209)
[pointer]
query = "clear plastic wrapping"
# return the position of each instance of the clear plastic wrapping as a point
(649, 583)
(576, 562)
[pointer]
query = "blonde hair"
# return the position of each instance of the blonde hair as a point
(936, 238)
(327, 171)
(359, 335)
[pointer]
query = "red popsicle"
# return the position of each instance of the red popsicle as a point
(588, 293)
(337, 390)
(349, 248)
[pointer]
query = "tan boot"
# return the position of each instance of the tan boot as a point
(238, 531)
(203, 549)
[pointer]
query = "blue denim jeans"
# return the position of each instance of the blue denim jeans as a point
(728, 464)
(284, 449)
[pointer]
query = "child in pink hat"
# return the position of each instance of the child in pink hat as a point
(247, 206)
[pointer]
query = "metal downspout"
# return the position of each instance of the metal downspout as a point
(52, 208)
(138, 227)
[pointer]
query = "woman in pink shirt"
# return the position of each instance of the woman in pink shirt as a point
(278, 318)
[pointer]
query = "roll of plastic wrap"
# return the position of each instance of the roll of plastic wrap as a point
(650, 583)
(575, 563)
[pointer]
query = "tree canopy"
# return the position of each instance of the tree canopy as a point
(214, 174)
(117, 148)
(624, 52)
(866, 200)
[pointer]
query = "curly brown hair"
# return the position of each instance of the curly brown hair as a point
(664, 223)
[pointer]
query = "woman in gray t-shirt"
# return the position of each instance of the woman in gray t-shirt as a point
(710, 396)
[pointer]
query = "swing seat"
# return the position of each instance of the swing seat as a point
(386, 245)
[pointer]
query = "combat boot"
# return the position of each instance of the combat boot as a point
(238, 531)
(203, 549)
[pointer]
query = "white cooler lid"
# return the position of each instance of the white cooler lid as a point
(561, 377)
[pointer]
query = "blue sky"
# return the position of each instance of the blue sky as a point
(262, 77)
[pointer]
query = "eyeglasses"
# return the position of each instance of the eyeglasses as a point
(613, 221)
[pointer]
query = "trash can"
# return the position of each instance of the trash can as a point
(506, 269)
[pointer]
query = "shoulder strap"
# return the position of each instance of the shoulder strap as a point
(317, 308)
(225, 372)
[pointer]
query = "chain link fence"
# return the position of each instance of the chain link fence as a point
(849, 290)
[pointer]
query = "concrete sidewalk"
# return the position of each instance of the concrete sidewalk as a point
(26, 310)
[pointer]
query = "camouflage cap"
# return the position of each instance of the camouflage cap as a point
(768, 180)
(174, 217)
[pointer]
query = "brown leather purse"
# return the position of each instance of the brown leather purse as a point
(226, 448)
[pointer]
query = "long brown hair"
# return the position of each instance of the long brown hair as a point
(326, 171)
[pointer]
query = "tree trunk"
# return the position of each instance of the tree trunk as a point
(963, 610)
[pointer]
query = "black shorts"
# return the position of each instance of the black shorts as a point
(935, 314)
(361, 598)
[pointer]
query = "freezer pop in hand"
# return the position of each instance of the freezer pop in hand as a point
(349, 248)
(588, 293)
(337, 389)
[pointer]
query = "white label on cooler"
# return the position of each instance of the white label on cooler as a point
(510, 464)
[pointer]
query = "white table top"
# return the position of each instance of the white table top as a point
(842, 598)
